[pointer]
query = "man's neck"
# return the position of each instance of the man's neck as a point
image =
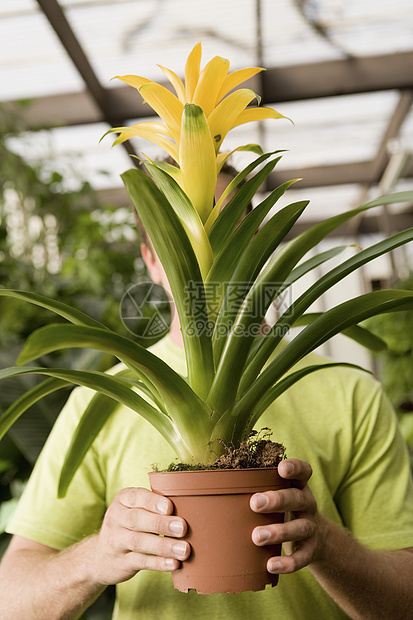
(175, 332)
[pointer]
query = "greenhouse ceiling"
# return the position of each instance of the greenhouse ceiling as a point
(342, 70)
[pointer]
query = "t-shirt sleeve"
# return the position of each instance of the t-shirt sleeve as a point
(40, 515)
(376, 496)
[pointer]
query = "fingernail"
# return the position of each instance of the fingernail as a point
(179, 549)
(263, 535)
(260, 501)
(289, 467)
(176, 527)
(274, 567)
(170, 562)
(162, 506)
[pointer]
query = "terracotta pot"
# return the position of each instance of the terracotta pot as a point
(215, 505)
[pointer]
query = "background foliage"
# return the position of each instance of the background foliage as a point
(57, 240)
(395, 366)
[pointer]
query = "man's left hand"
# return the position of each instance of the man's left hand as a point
(305, 531)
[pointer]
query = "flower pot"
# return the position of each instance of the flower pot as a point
(215, 505)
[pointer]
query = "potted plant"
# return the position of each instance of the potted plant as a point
(223, 278)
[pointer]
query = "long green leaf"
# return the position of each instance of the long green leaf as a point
(65, 311)
(255, 256)
(28, 399)
(359, 334)
(189, 412)
(243, 174)
(313, 293)
(106, 384)
(71, 314)
(95, 416)
(243, 424)
(312, 263)
(181, 267)
(103, 408)
(230, 255)
(187, 214)
(234, 355)
(229, 217)
(314, 335)
(297, 273)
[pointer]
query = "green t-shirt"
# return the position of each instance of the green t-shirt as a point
(336, 419)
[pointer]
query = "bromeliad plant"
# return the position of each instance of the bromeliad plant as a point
(223, 275)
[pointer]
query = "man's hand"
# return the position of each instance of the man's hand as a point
(304, 533)
(129, 539)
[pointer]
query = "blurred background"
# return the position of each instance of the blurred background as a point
(342, 70)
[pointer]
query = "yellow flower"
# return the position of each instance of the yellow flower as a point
(195, 121)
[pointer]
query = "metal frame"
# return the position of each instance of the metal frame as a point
(347, 76)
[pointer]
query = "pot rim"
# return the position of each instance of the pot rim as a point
(216, 481)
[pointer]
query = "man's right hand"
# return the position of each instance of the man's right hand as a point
(137, 533)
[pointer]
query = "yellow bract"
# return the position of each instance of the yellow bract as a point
(193, 139)
(197, 160)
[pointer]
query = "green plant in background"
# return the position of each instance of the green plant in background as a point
(58, 241)
(395, 364)
(50, 243)
(223, 278)
(62, 243)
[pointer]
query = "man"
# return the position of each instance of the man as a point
(349, 544)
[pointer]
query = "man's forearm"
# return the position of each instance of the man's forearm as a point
(366, 584)
(55, 585)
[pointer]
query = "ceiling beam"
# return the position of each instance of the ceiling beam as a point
(99, 95)
(338, 174)
(369, 225)
(57, 19)
(382, 159)
(339, 77)
(393, 128)
(57, 111)
(308, 81)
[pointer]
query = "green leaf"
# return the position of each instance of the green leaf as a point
(189, 412)
(236, 181)
(120, 390)
(67, 312)
(359, 334)
(322, 329)
(187, 214)
(265, 287)
(245, 422)
(181, 267)
(230, 255)
(27, 399)
(64, 310)
(231, 214)
(95, 416)
(313, 293)
(312, 263)
(234, 355)
(254, 258)
(101, 382)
